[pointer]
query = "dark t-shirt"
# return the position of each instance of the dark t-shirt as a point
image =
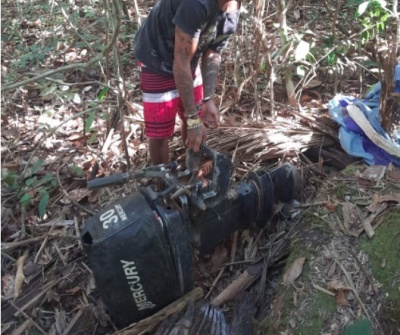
(154, 42)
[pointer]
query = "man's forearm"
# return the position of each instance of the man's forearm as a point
(184, 85)
(185, 48)
(209, 70)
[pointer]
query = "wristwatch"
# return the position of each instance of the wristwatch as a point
(193, 121)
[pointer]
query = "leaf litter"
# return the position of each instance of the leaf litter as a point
(337, 266)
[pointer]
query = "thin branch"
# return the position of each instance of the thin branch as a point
(137, 12)
(353, 288)
(40, 329)
(12, 245)
(50, 73)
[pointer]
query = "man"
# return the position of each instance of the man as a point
(176, 36)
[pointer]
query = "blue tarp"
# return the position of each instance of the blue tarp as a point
(352, 139)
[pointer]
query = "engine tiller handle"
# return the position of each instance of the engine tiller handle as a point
(115, 179)
(160, 171)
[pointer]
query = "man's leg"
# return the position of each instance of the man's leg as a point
(159, 150)
(160, 104)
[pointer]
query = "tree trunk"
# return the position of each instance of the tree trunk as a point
(389, 106)
(390, 101)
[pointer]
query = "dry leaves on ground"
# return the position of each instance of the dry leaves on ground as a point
(340, 289)
(294, 271)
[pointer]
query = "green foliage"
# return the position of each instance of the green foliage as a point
(44, 199)
(35, 168)
(373, 16)
(50, 31)
(76, 170)
(367, 19)
(89, 121)
(25, 199)
(105, 116)
(10, 180)
(36, 189)
(103, 92)
(92, 138)
(88, 126)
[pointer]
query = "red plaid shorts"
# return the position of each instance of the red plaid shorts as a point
(161, 101)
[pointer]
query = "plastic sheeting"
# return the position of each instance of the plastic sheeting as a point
(352, 138)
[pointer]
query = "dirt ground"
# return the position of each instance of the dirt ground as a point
(347, 276)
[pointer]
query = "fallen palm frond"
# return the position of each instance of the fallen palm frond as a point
(286, 136)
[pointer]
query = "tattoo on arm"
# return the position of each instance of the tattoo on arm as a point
(209, 70)
(185, 48)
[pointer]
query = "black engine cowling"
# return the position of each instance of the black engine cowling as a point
(140, 257)
(140, 247)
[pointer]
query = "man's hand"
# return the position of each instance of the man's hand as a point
(210, 114)
(195, 137)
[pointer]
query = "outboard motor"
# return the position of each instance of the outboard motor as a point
(140, 247)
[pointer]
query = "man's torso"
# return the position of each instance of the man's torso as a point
(154, 42)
